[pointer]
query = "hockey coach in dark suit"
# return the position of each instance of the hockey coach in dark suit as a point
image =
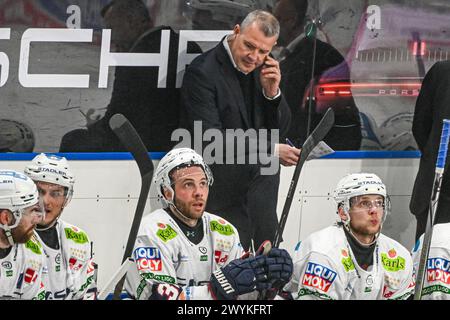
(235, 85)
(432, 107)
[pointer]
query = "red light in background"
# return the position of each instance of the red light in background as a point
(342, 89)
(418, 48)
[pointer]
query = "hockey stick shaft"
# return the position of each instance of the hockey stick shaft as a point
(130, 139)
(440, 166)
(316, 136)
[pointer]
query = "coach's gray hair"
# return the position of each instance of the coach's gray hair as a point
(266, 22)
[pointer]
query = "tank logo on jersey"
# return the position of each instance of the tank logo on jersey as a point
(318, 276)
(392, 265)
(226, 230)
(203, 250)
(7, 265)
(76, 236)
(220, 257)
(167, 233)
(148, 258)
(438, 270)
(33, 246)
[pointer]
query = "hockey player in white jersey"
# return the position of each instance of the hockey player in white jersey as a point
(353, 259)
(21, 257)
(436, 284)
(71, 272)
(184, 252)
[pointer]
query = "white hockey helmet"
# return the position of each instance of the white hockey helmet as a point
(174, 159)
(15, 136)
(17, 192)
(52, 169)
(358, 184)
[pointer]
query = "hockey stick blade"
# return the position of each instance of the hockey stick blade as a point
(440, 166)
(130, 139)
(311, 142)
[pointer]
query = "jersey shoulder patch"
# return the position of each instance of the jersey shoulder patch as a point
(34, 245)
(76, 235)
(222, 227)
(165, 232)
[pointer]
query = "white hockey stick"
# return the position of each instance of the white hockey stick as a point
(115, 278)
(440, 166)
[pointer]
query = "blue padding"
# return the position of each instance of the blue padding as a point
(373, 155)
(79, 156)
(158, 155)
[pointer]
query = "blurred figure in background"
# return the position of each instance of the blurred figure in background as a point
(432, 107)
(151, 110)
(296, 60)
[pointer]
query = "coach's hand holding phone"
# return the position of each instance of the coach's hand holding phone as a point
(270, 78)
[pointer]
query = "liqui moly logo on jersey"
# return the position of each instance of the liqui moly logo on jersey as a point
(318, 276)
(148, 258)
(438, 270)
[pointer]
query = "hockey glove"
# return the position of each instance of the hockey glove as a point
(279, 268)
(279, 265)
(238, 277)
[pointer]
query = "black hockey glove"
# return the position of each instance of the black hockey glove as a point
(238, 277)
(279, 268)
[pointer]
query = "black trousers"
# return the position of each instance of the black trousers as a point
(247, 199)
(442, 215)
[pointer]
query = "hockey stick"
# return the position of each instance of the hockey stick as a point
(440, 166)
(131, 140)
(314, 138)
(120, 273)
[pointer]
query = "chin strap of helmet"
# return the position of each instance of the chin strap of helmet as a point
(41, 227)
(177, 211)
(349, 230)
(9, 235)
(347, 226)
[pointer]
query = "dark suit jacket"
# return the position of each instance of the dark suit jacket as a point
(296, 71)
(211, 93)
(432, 106)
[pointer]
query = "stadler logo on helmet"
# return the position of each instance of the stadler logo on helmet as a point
(368, 182)
(53, 171)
